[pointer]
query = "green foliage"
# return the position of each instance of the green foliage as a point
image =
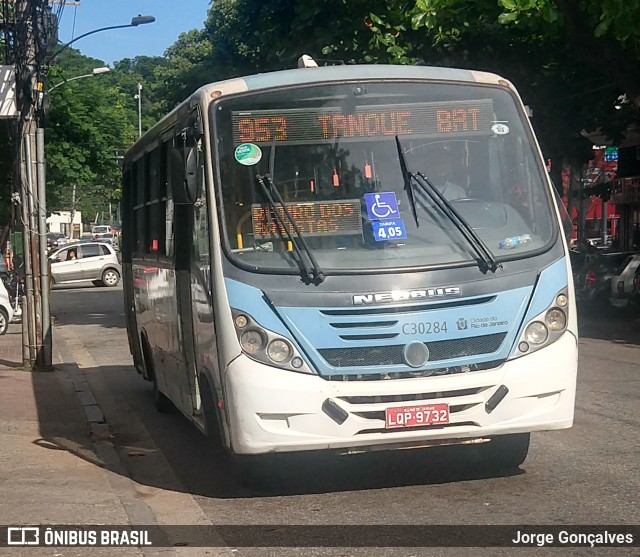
(90, 119)
(250, 36)
(143, 70)
(186, 68)
(569, 59)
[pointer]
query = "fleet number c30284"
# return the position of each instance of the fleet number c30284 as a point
(425, 328)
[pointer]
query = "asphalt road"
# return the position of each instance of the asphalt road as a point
(587, 475)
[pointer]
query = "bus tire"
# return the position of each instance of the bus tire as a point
(505, 452)
(160, 400)
(209, 414)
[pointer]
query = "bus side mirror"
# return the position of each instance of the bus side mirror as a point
(185, 182)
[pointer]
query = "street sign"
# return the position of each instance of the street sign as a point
(611, 154)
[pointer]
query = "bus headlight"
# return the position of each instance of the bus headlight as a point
(279, 351)
(555, 319)
(241, 321)
(562, 300)
(252, 341)
(544, 328)
(536, 333)
(268, 347)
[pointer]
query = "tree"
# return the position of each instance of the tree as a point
(570, 58)
(143, 70)
(90, 119)
(250, 36)
(537, 44)
(188, 66)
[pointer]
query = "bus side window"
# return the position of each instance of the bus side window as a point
(139, 208)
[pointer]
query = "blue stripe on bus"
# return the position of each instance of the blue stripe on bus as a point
(313, 330)
(253, 302)
(552, 280)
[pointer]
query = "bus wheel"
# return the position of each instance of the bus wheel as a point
(212, 430)
(160, 401)
(505, 452)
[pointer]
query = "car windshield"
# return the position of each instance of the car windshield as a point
(331, 151)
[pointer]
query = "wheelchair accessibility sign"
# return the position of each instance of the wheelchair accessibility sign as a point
(382, 209)
(383, 205)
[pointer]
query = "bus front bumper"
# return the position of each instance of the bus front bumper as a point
(272, 410)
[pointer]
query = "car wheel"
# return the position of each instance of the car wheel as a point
(4, 321)
(110, 277)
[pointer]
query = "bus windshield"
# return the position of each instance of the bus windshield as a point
(332, 153)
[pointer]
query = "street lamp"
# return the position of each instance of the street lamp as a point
(138, 96)
(135, 21)
(94, 72)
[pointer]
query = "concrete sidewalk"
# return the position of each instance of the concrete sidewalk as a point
(49, 470)
(11, 347)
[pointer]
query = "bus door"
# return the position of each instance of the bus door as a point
(193, 272)
(204, 338)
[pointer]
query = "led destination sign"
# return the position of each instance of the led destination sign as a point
(319, 218)
(317, 125)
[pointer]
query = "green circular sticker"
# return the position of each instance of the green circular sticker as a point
(248, 154)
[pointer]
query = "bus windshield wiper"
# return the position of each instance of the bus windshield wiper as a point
(486, 260)
(309, 268)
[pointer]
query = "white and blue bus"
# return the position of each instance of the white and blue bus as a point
(351, 258)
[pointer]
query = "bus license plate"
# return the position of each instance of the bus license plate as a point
(412, 416)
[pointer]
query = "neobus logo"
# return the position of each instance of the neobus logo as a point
(406, 295)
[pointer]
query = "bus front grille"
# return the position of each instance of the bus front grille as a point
(365, 356)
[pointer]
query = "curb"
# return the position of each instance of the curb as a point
(137, 500)
(138, 512)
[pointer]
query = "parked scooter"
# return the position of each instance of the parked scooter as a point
(14, 284)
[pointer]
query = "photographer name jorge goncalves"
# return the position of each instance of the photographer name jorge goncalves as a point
(541, 539)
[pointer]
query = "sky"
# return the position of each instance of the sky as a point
(172, 18)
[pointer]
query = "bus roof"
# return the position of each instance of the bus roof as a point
(300, 76)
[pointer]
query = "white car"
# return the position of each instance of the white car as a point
(6, 311)
(108, 238)
(96, 261)
(100, 230)
(622, 283)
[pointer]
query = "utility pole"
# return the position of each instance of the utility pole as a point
(73, 210)
(34, 34)
(139, 97)
(26, 64)
(582, 207)
(32, 40)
